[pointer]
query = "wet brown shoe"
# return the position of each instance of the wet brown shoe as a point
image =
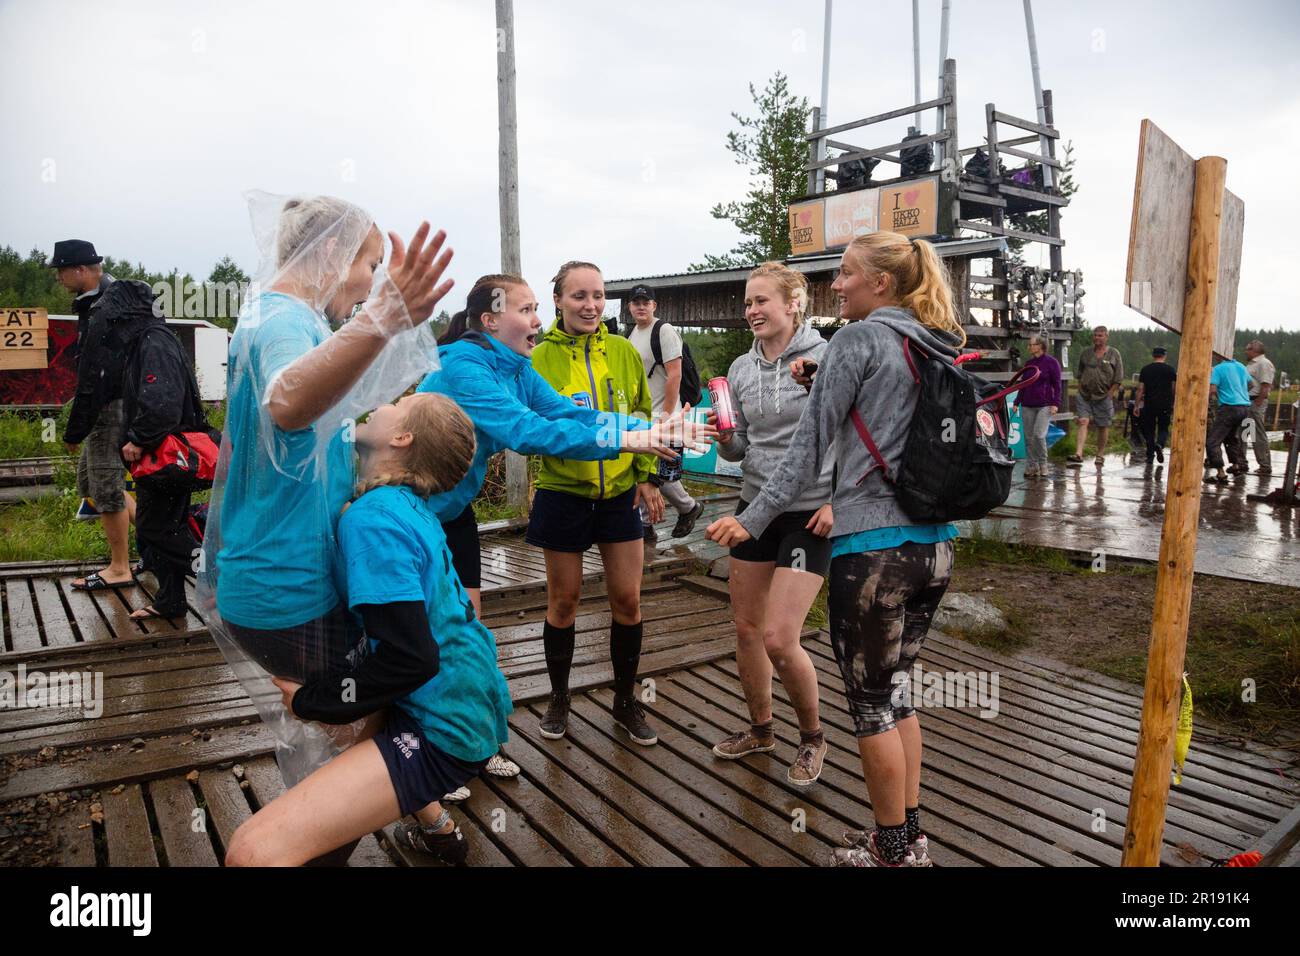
(742, 744)
(807, 766)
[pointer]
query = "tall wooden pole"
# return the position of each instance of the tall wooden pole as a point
(508, 186)
(1155, 749)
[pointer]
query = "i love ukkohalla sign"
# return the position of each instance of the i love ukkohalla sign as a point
(834, 220)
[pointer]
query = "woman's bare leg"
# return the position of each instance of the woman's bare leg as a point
(624, 564)
(344, 800)
(749, 583)
(563, 586)
(789, 598)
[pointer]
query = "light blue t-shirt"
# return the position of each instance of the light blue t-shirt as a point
(878, 539)
(394, 549)
(276, 564)
(1233, 382)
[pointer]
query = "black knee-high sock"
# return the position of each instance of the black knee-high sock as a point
(558, 644)
(625, 654)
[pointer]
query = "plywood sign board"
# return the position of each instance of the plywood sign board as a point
(910, 208)
(808, 227)
(24, 339)
(24, 319)
(849, 215)
(1156, 279)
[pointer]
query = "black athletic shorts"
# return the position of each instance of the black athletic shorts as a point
(563, 522)
(788, 542)
(419, 771)
(462, 542)
(334, 641)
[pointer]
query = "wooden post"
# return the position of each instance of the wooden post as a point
(815, 152)
(1053, 211)
(508, 187)
(1146, 812)
(951, 148)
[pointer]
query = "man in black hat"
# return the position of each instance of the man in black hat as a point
(1155, 402)
(95, 421)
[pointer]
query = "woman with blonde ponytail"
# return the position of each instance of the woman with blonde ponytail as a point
(887, 573)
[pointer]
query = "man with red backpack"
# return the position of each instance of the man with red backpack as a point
(169, 447)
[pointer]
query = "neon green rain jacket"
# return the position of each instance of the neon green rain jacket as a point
(603, 372)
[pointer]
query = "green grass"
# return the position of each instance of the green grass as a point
(21, 436)
(44, 530)
(984, 542)
(485, 510)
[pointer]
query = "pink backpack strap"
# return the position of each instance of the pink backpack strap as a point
(865, 434)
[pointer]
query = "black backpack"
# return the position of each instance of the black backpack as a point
(690, 391)
(957, 460)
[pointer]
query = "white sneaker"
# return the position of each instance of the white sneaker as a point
(499, 766)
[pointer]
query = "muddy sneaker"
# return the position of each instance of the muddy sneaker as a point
(449, 847)
(630, 715)
(499, 765)
(807, 766)
(686, 523)
(742, 744)
(920, 847)
(866, 853)
(556, 721)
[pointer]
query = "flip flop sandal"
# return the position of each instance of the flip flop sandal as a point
(96, 582)
(150, 612)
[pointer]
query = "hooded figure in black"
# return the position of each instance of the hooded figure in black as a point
(159, 398)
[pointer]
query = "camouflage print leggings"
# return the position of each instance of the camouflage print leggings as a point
(881, 605)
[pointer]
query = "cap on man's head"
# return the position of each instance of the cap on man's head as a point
(1159, 351)
(642, 291)
(74, 252)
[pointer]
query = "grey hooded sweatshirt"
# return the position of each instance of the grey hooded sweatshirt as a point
(769, 404)
(864, 367)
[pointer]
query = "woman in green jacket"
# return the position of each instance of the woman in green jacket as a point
(581, 503)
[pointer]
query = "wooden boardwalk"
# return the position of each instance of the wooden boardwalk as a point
(1045, 782)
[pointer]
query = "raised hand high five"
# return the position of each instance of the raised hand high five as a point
(416, 271)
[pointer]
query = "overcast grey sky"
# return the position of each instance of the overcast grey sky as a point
(138, 123)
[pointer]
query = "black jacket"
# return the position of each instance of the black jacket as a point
(159, 394)
(103, 349)
(82, 305)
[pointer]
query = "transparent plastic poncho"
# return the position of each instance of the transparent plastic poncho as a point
(269, 586)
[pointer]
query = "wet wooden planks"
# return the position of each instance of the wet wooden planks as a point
(169, 688)
(40, 610)
(1024, 788)
(179, 820)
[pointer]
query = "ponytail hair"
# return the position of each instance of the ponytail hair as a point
(793, 286)
(919, 277)
(487, 296)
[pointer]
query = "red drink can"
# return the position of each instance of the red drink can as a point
(723, 407)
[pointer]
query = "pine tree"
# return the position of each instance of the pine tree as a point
(772, 147)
